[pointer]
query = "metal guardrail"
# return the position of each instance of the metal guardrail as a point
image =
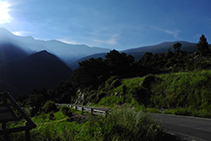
(92, 110)
(8, 115)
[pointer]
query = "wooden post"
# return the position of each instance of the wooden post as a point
(27, 133)
(75, 108)
(4, 127)
(5, 98)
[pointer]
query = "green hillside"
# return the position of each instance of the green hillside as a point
(185, 92)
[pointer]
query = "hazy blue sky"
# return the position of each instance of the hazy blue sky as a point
(114, 24)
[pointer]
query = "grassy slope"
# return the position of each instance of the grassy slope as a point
(186, 93)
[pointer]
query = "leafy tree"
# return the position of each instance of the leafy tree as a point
(203, 46)
(91, 73)
(119, 63)
(146, 58)
(177, 47)
(37, 98)
(65, 92)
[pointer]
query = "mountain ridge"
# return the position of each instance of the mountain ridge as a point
(37, 70)
(66, 52)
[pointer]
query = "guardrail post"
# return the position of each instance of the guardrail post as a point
(92, 111)
(82, 109)
(106, 113)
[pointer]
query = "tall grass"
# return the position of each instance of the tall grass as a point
(123, 124)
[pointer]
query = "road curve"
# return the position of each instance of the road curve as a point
(199, 128)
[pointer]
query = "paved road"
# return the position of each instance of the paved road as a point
(191, 126)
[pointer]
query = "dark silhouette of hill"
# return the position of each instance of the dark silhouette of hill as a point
(10, 52)
(138, 52)
(38, 70)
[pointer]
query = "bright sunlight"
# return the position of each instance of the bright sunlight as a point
(4, 16)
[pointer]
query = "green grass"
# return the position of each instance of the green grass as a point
(187, 89)
(187, 93)
(122, 124)
(131, 82)
(188, 112)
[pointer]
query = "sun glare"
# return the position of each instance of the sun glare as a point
(4, 16)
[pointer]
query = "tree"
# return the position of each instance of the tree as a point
(203, 46)
(177, 47)
(91, 73)
(119, 63)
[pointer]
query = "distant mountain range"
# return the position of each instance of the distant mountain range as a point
(72, 54)
(66, 52)
(138, 52)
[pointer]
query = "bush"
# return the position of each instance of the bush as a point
(113, 82)
(66, 111)
(141, 94)
(49, 106)
(148, 80)
(125, 124)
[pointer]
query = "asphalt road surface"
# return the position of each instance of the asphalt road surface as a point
(194, 127)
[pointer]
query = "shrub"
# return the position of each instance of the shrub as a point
(113, 82)
(141, 94)
(49, 106)
(66, 111)
(148, 80)
(125, 124)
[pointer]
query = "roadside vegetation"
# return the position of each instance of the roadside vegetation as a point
(122, 124)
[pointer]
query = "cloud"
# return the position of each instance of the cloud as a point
(171, 32)
(111, 41)
(18, 33)
(68, 41)
(197, 36)
(22, 33)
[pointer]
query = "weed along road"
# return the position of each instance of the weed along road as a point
(199, 128)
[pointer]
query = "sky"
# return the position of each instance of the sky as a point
(113, 24)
